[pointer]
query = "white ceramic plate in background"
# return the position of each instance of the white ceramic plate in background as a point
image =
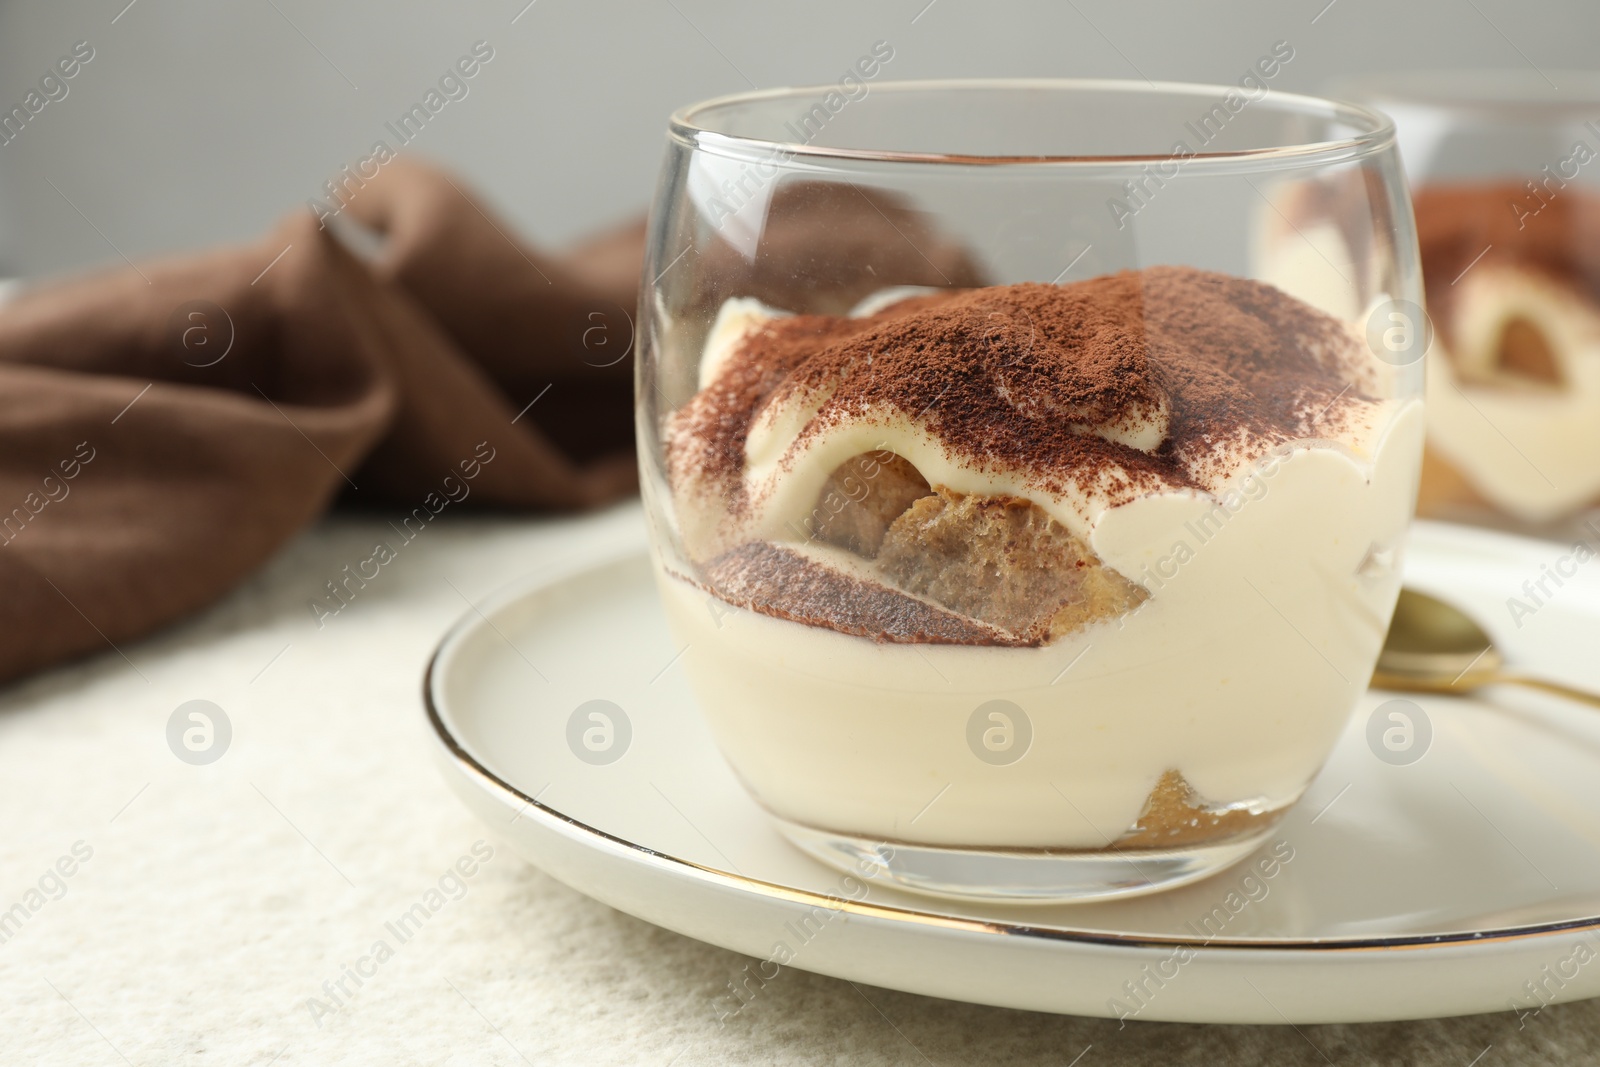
(1436, 888)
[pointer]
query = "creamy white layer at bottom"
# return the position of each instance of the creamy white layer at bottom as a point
(1532, 451)
(1265, 617)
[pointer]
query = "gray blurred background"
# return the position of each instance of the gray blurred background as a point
(200, 121)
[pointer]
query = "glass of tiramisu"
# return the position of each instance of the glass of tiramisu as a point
(1505, 175)
(1025, 539)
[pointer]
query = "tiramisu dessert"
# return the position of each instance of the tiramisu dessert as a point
(1514, 371)
(1155, 514)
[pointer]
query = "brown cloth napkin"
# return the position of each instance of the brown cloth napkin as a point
(165, 428)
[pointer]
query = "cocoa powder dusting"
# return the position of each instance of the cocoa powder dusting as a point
(1017, 377)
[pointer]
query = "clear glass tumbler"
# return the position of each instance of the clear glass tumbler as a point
(1028, 463)
(1505, 176)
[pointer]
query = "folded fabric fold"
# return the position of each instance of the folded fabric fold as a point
(165, 428)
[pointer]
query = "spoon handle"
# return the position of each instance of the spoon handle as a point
(1592, 699)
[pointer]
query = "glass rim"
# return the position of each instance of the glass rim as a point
(1461, 88)
(1377, 131)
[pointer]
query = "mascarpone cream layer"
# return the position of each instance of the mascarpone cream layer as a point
(1267, 610)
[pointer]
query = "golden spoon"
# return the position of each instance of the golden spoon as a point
(1433, 647)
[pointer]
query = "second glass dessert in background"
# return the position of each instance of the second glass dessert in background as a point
(1505, 175)
(1031, 522)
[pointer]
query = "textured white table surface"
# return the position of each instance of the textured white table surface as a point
(218, 899)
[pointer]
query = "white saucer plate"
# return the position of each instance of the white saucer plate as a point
(1465, 881)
